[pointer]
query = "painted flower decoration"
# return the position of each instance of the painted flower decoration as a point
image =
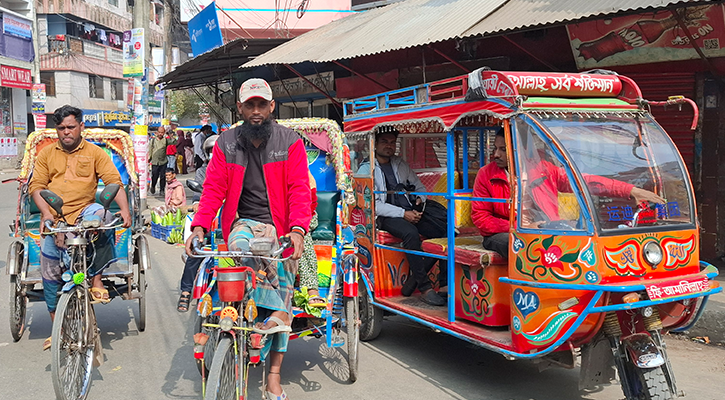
(551, 257)
(474, 288)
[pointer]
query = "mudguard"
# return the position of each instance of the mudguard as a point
(642, 351)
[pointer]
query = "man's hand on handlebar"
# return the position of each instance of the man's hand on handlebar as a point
(197, 233)
(298, 244)
(126, 215)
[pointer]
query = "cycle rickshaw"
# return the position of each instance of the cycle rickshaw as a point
(587, 270)
(229, 342)
(124, 276)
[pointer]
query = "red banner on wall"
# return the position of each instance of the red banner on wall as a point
(13, 77)
(650, 37)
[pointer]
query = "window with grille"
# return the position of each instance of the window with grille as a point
(118, 89)
(95, 86)
(49, 79)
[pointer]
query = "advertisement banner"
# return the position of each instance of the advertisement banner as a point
(140, 145)
(130, 90)
(13, 77)
(154, 106)
(96, 118)
(40, 121)
(133, 52)
(38, 93)
(17, 26)
(647, 38)
(204, 31)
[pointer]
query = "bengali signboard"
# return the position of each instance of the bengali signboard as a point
(38, 93)
(140, 145)
(298, 86)
(38, 108)
(677, 288)
(204, 31)
(14, 77)
(133, 52)
(40, 121)
(95, 118)
(648, 38)
(17, 26)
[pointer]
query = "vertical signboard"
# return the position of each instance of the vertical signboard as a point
(133, 52)
(140, 146)
(204, 31)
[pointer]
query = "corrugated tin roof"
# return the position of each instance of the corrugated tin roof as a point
(418, 22)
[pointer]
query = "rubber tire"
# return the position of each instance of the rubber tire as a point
(18, 302)
(654, 384)
(70, 301)
(352, 328)
(142, 265)
(210, 345)
(223, 356)
(371, 317)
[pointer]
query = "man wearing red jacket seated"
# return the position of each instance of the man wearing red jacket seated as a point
(492, 181)
(259, 171)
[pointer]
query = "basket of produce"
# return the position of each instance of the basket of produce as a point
(167, 224)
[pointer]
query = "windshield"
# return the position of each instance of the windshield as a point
(630, 167)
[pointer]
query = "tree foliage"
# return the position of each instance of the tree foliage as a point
(185, 104)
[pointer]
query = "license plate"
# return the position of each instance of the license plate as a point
(682, 287)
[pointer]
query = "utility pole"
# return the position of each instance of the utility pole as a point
(141, 19)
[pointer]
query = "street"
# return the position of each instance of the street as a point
(407, 361)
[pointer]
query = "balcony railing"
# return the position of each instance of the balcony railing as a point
(64, 44)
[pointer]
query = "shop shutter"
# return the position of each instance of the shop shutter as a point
(657, 87)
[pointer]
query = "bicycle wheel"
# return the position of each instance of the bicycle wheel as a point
(222, 381)
(72, 346)
(211, 343)
(18, 301)
(352, 328)
(142, 265)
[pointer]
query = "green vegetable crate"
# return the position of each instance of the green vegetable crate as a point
(163, 232)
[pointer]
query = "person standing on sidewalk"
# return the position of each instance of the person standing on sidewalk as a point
(157, 158)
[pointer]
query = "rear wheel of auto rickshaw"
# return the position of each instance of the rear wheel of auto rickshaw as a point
(371, 317)
(18, 301)
(72, 346)
(352, 328)
(142, 265)
(222, 381)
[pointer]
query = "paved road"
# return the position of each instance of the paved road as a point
(406, 362)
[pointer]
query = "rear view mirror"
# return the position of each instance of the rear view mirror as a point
(194, 185)
(108, 194)
(53, 200)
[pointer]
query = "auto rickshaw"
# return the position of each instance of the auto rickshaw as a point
(586, 271)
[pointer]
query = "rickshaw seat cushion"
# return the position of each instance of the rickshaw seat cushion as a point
(326, 215)
(469, 251)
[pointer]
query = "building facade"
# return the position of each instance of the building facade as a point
(81, 59)
(17, 58)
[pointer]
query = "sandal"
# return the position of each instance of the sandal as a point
(317, 302)
(183, 305)
(271, 396)
(47, 343)
(280, 327)
(99, 296)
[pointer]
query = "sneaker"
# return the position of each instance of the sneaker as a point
(409, 286)
(431, 297)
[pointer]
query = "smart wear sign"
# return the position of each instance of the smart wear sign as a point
(204, 31)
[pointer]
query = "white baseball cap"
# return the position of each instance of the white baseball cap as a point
(255, 87)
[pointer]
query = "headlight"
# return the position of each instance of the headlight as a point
(652, 253)
(226, 324)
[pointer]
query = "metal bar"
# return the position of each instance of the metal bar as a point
(464, 167)
(339, 64)
(335, 102)
(451, 226)
(694, 320)
(413, 252)
(551, 67)
(647, 303)
(452, 61)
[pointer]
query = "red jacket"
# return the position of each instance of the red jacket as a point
(285, 172)
(491, 218)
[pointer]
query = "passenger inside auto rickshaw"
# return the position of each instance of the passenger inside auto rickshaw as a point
(407, 217)
(545, 184)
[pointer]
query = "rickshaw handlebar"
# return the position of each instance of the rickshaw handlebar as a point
(93, 225)
(198, 251)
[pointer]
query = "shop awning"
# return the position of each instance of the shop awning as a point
(414, 23)
(217, 64)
